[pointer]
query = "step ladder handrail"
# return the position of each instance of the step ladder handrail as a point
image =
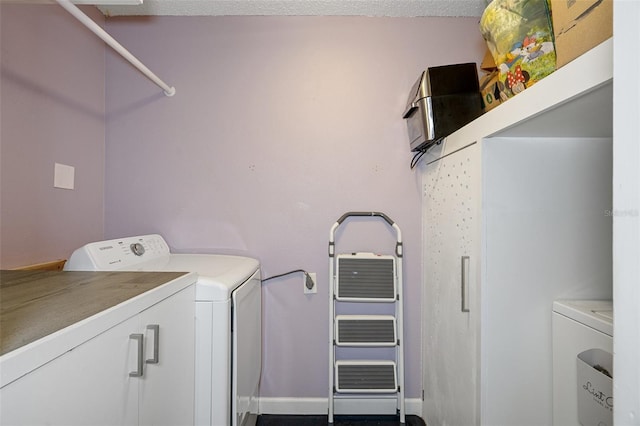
(336, 225)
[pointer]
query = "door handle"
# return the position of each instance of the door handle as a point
(464, 264)
(139, 365)
(156, 343)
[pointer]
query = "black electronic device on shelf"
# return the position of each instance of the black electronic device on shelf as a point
(441, 101)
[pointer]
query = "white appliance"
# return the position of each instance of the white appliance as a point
(228, 319)
(580, 327)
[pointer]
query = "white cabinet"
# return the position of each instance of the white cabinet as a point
(88, 385)
(516, 214)
(91, 384)
(451, 210)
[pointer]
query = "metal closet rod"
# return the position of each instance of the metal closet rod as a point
(97, 30)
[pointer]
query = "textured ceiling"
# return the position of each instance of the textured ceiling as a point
(302, 7)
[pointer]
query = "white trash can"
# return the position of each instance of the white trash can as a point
(595, 388)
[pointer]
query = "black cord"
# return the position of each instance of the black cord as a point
(287, 273)
(308, 281)
(418, 155)
(416, 158)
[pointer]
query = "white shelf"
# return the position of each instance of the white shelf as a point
(581, 89)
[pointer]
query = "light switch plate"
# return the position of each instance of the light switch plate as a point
(63, 176)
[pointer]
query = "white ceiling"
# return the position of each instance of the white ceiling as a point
(397, 8)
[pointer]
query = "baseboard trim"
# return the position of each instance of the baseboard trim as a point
(319, 406)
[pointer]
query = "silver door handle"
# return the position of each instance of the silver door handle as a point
(139, 338)
(465, 283)
(156, 343)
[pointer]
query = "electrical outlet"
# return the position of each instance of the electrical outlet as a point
(309, 279)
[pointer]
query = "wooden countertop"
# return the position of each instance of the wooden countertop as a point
(35, 304)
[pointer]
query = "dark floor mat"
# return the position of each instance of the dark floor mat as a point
(295, 420)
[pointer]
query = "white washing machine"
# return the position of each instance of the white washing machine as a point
(582, 360)
(228, 319)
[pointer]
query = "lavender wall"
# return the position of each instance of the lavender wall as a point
(278, 127)
(51, 110)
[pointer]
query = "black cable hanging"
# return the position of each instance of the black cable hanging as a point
(307, 277)
(418, 155)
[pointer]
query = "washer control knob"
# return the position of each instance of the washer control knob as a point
(137, 249)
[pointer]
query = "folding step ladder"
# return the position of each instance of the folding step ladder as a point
(365, 278)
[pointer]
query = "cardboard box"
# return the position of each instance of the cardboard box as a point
(595, 388)
(488, 64)
(489, 91)
(579, 25)
(489, 82)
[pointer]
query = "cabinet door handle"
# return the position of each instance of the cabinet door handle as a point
(156, 343)
(465, 283)
(139, 338)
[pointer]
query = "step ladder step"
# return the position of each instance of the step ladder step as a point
(365, 277)
(365, 330)
(366, 376)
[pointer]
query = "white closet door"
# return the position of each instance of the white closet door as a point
(451, 308)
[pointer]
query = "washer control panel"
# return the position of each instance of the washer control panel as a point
(117, 254)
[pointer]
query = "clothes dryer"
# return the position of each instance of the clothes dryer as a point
(228, 319)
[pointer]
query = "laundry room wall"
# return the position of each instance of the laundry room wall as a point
(279, 125)
(52, 111)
